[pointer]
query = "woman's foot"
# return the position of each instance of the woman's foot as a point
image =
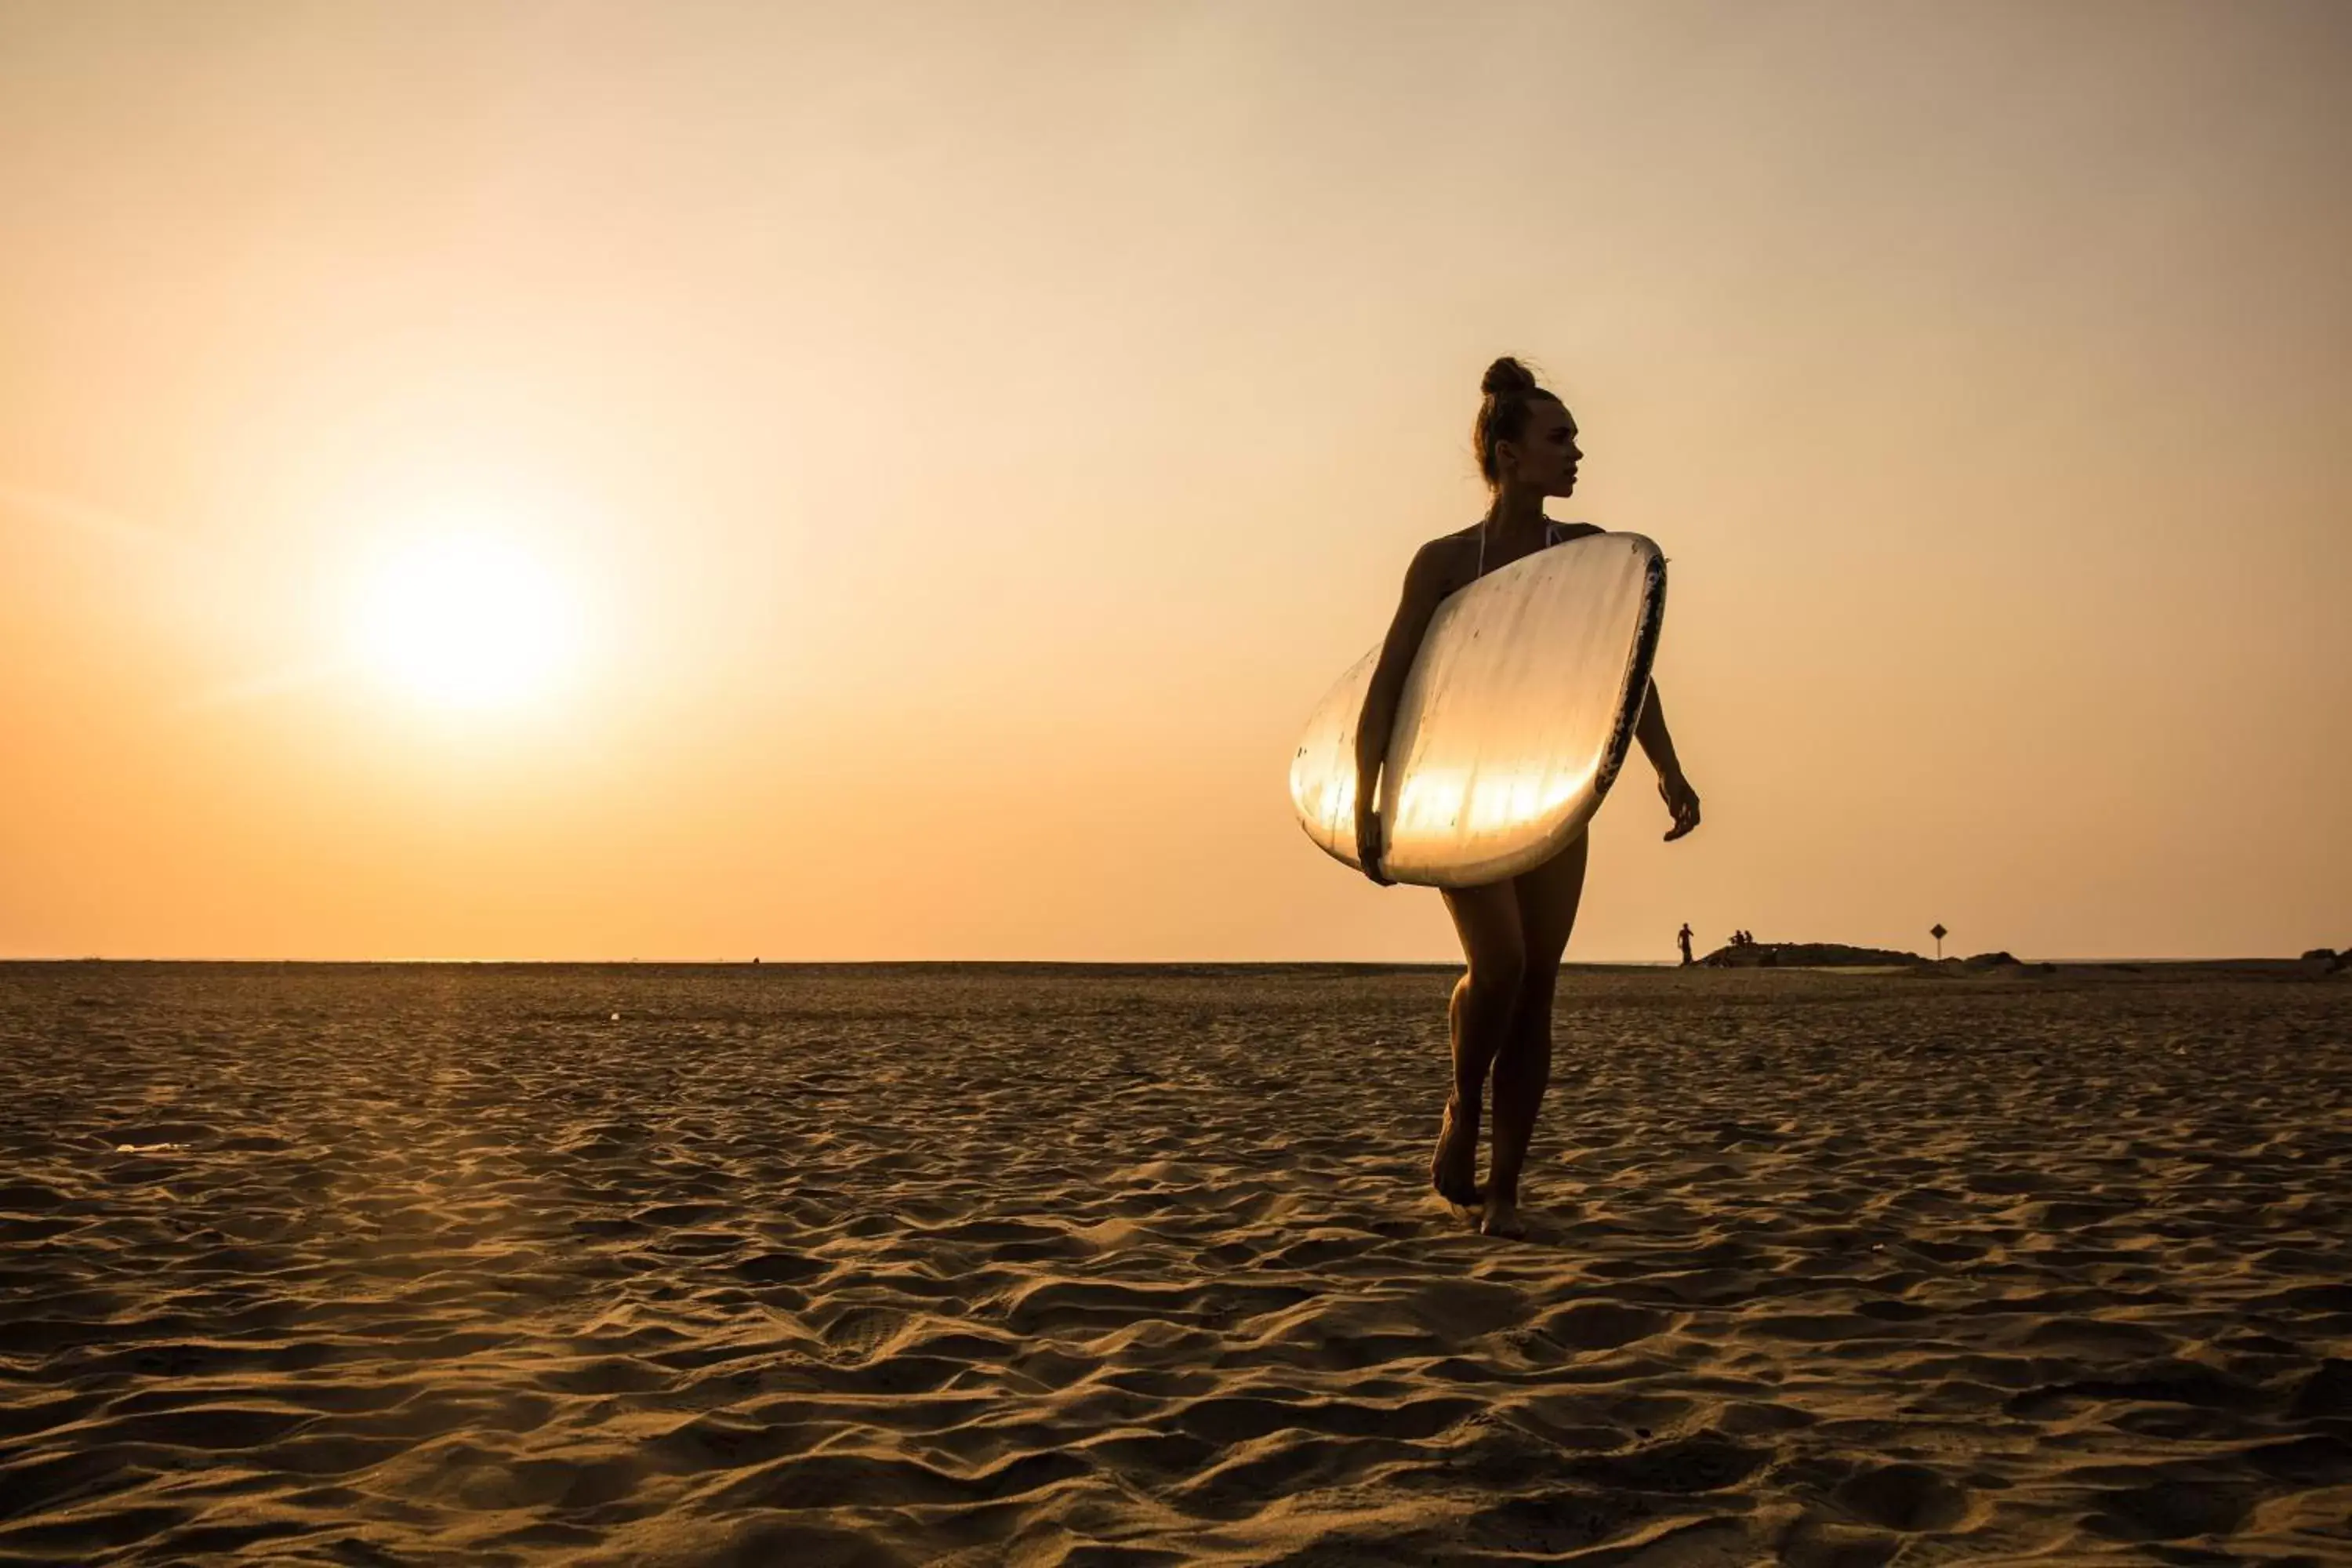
(1502, 1217)
(1453, 1167)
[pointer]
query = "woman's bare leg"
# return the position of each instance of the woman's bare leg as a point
(1548, 897)
(1488, 921)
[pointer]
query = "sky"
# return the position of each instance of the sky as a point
(949, 450)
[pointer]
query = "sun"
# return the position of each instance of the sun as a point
(465, 621)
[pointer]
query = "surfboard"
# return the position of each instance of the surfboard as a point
(1513, 721)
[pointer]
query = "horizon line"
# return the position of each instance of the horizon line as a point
(761, 962)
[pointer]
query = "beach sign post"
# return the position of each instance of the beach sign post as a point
(1940, 933)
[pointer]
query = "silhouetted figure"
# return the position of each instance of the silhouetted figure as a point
(1683, 937)
(1512, 931)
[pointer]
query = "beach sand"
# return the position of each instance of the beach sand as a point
(363, 1265)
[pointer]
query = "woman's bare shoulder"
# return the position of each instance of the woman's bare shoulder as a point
(1448, 554)
(1440, 566)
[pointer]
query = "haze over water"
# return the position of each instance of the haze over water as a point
(954, 448)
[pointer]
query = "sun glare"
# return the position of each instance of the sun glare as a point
(465, 621)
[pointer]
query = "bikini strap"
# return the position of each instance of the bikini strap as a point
(1552, 526)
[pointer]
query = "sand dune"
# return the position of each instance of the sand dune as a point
(978, 1265)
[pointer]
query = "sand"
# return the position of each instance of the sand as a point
(373, 1266)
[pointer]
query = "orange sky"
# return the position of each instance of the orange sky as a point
(972, 438)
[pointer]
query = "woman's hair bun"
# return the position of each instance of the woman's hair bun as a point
(1510, 388)
(1507, 376)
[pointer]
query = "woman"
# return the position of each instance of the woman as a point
(1513, 932)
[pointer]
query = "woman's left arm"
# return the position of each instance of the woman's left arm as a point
(1659, 747)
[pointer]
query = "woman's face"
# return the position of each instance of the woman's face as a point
(1543, 457)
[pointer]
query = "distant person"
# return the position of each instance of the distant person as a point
(1683, 937)
(1514, 930)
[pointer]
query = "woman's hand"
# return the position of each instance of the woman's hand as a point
(1369, 850)
(1681, 800)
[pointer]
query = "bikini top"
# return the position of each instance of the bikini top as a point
(1555, 532)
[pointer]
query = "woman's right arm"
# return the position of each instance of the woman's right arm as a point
(1424, 589)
